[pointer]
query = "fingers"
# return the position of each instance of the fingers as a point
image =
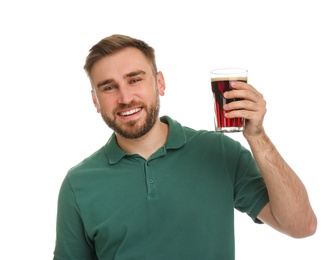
(251, 106)
(244, 91)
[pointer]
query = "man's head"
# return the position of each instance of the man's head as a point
(125, 84)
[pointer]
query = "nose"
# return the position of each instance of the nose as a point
(125, 95)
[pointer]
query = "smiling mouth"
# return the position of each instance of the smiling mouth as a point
(130, 112)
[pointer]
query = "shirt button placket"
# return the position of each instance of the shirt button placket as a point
(152, 192)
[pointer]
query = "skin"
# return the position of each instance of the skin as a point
(124, 83)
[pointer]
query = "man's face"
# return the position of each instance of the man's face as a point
(126, 93)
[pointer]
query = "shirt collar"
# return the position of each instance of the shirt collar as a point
(176, 139)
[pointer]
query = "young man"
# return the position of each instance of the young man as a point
(159, 190)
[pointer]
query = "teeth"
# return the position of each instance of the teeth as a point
(130, 112)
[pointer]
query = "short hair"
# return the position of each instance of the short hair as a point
(115, 43)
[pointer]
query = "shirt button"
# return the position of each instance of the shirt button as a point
(151, 181)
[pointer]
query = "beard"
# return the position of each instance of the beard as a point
(135, 129)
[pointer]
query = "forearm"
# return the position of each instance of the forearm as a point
(289, 201)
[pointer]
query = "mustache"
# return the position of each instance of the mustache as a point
(130, 105)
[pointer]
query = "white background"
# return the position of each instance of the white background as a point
(48, 122)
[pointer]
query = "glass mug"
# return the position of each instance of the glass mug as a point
(220, 81)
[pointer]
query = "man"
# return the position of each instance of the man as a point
(159, 190)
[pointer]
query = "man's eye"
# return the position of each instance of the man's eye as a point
(107, 88)
(135, 80)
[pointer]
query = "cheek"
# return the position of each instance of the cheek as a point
(106, 103)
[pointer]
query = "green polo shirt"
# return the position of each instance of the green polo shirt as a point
(178, 204)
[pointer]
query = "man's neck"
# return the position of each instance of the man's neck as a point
(148, 144)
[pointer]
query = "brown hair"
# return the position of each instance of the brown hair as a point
(115, 43)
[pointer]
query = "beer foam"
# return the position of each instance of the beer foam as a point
(230, 78)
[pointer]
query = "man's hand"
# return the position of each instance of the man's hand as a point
(252, 107)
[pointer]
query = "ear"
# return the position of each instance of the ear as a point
(160, 83)
(95, 100)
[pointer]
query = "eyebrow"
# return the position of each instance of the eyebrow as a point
(128, 75)
(105, 82)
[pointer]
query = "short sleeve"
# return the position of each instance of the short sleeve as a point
(71, 240)
(249, 188)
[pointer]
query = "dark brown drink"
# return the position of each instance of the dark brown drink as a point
(223, 124)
